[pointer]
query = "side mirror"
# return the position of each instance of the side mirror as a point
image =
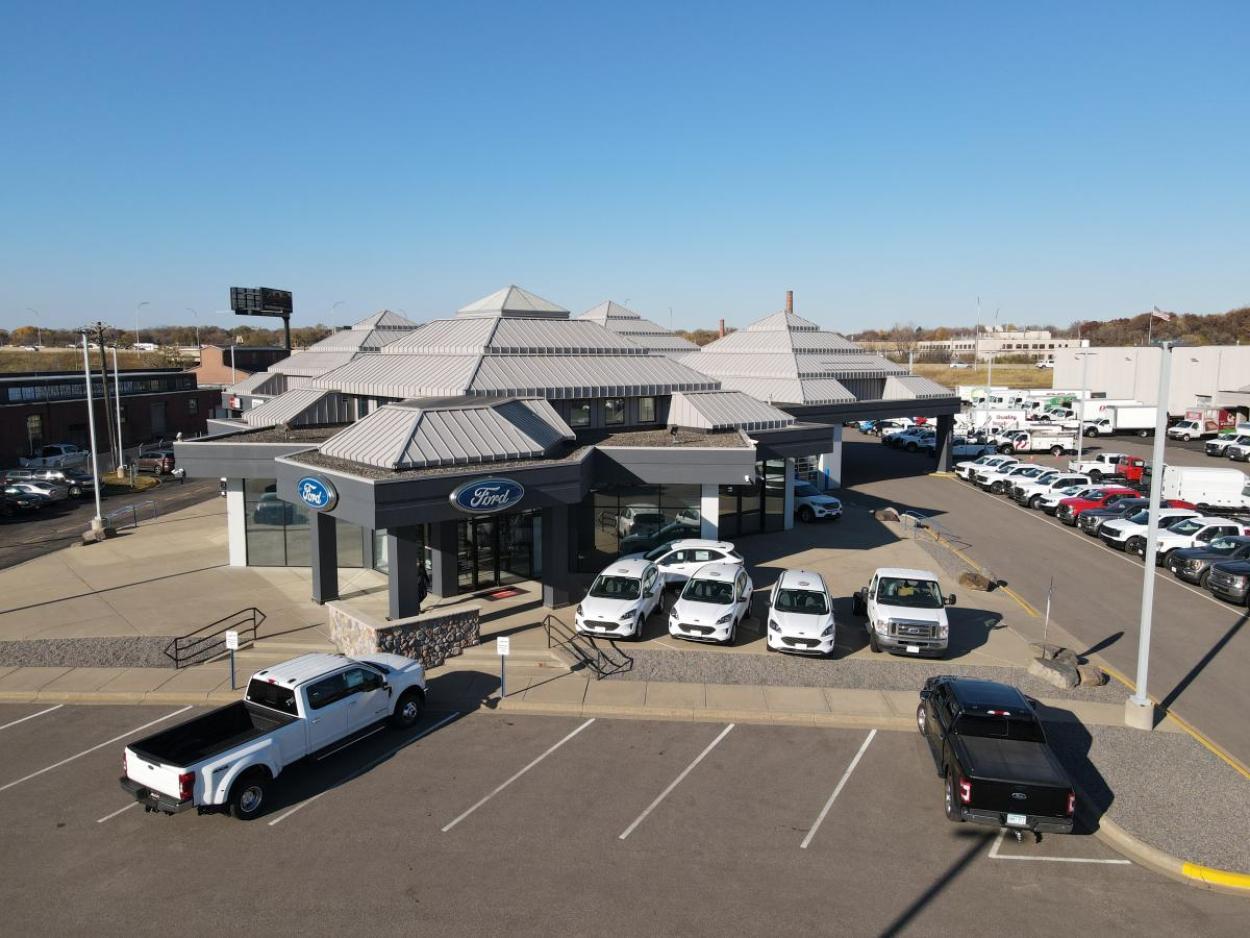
(926, 694)
(950, 600)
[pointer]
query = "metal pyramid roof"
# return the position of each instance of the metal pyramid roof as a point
(386, 319)
(783, 321)
(650, 335)
(513, 302)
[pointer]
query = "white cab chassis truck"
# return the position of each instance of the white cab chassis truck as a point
(906, 612)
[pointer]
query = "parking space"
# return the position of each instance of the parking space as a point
(479, 821)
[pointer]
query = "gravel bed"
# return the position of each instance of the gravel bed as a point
(712, 667)
(132, 652)
(1165, 788)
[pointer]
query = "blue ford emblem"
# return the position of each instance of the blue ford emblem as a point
(317, 494)
(486, 496)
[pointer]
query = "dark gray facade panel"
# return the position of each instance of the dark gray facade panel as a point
(323, 533)
(793, 441)
(875, 410)
(678, 464)
(403, 554)
(209, 459)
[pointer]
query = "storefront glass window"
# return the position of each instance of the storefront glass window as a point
(646, 410)
(277, 531)
(633, 519)
(614, 411)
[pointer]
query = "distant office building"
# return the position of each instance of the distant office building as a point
(1037, 344)
(1202, 376)
(52, 408)
(220, 366)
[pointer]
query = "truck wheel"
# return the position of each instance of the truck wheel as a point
(1035, 501)
(1136, 545)
(806, 515)
(247, 796)
(1186, 437)
(952, 806)
(1143, 433)
(407, 709)
(873, 646)
(911, 447)
(1056, 450)
(1095, 476)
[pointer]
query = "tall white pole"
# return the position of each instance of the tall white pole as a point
(1080, 406)
(234, 377)
(97, 523)
(117, 400)
(1138, 710)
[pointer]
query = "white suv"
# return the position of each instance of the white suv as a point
(620, 600)
(800, 615)
(810, 503)
(678, 559)
(712, 603)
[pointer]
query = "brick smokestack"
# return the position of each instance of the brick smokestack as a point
(721, 331)
(789, 301)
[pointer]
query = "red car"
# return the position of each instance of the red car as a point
(1070, 508)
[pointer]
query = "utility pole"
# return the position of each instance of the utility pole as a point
(1080, 404)
(97, 329)
(137, 308)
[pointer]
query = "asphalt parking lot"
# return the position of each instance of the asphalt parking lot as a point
(481, 822)
(1200, 646)
(61, 525)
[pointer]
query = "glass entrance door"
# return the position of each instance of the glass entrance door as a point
(477, 559)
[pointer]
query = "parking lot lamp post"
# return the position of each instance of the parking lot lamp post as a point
(97, 523)
(1138, 709)
(1080, 405)
(117, 401)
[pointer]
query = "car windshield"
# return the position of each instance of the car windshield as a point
(802, 489)
(615, 587)
(915, 594)
(720, 592)
(806, 602)
(1224, 545)
(1189, 526)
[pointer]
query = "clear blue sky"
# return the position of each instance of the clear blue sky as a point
(887, 161)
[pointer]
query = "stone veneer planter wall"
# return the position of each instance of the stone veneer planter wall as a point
(431, 638)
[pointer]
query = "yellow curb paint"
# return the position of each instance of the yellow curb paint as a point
(1214, 748)
(1216, 877)
(1023, 604)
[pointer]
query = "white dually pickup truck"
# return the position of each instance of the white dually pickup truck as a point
(230, 756)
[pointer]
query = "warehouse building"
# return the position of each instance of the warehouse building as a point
(514, 442)
(1202, 376)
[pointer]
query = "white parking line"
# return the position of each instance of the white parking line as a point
(31, 716)
(107, 742)
(995, 855)
(518, 775)
(675, 782)
(837, 790)
(109, 817)
(369, 765)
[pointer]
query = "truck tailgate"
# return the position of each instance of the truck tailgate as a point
(153, 775)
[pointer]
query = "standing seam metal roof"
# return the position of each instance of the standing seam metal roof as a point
(725, 410)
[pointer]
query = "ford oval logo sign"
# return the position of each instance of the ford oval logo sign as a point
(486, 496)
(317, 494)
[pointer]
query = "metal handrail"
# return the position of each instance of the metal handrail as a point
(594, 657)
(133, 509)
(209, 641)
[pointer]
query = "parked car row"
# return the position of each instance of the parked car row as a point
(1234, 446)
(27, 490)
(1197, 545)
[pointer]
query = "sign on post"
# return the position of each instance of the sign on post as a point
(504, 644)
(232, 640)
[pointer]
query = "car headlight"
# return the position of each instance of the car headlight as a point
(883, 628)
(725, 619)
(772, 624)
(578, 611)
(944, 631)
(827, 633)
(626, 616)
(672, 614)
(1238, 582)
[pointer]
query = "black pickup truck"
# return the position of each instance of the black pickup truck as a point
(991, 751)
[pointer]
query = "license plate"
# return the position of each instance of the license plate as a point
(1017, 820)
(913, 649)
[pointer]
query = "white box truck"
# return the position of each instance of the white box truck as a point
(1123, 418)
(1209, 488)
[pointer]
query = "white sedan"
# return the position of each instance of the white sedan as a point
(800, 615)
(620, 600)
(711, 604)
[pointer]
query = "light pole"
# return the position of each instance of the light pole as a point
(38, 326)
(117, 400)
(196, 317)
(992, 331)
(1080, 404)
(137, 308)
(1138, 709)
(97, 523)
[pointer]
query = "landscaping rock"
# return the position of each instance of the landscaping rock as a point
(886, 514)
(1061, 675)
(1067, 656)
(1045, 651)
(1091, 676)
(975, 581)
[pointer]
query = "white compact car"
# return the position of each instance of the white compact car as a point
(810, 503)
(800, 615)
(620, 600)
(712, 603)
(676, 560)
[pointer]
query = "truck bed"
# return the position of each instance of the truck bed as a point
(1012, 760)
(213, 733)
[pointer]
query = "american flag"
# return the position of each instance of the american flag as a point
(1160, 314)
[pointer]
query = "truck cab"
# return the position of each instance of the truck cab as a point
(906, 612)
(1195, 532)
